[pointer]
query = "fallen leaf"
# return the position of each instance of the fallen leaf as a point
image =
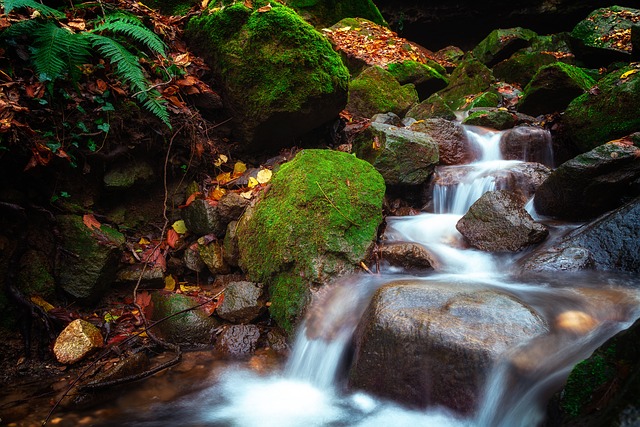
(143, 299)
(172, 238)
(248, 4)
(91, 222)
(247, 194)
(220, 160)
(264, 176)
(223, 178)
(179, 226)
(252, 182)
(266, 8)
(190, 199)
(239, 168)
(143, 241)
(186, 288)
(42, 303)
(628, 73)
(169, 283)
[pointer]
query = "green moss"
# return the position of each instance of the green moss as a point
(502, 43)
(270, 63)
(34, 277)
(324, 13)
(375, 90)
(319, 219)
(496, 119)
(609, 113)
(290, 294)
(585, 378)
(605, 21)
(470, 78)
(171, 7)
(521, 67)
(413, 71)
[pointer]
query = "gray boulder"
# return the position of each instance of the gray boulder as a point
(432, 343)
(243, 302)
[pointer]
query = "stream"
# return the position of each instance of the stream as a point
(311, 388)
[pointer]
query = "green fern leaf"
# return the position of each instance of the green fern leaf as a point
(51, 49)
(128, 69)
(135, 31)
(21, 28)
(9, 5)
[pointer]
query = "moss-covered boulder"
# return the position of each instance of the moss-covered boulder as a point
(500, 44)
(433, 107)
(470, 78)
(591, 183)
(553, 87)
(499, 119)
(172, 7)
(191, 327)
(610, 112)
(604, 36)
(521, 67)
(318, 220)
(88, 265)
(426, 78)
(324, 13)
(280, 77)
(401, 155)
(375, 90)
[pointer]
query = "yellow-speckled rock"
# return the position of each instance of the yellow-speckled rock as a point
(76, 341)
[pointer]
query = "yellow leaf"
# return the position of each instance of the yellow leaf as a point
(186, 288)
(143, 241)
(223, 178)
(217, 193)
(247, 194)
(143, 334)
(42, 303)
(179, 227)
(108, 317)
(221, 159)
(628, 73)
(252, 182)
(169, 283)
(238, 169)
(264, 176)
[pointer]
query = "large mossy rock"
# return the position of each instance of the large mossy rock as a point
(427, 78)
(612, 111)
(375, 90)
(604, 36)
(280, 77)
(192, 327)
(318, 220)
(401, 155)
(325, 13)
(500, 44)
(432, 343)
(88, 265)
(592, 183)
(553, 87)
(471, 77)
(522, 66)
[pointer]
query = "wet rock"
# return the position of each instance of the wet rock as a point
(553, 87)
(239, 43)
(127, 366)
(375, 90)
(471, 77)
(500, 44)
(231, 207)
(592, 119)
(497, 222)
(607, 243)
(277, 340)
(522, 66)
(454, 148)
(192, 327)
(594, 40)
(498, 119)
(238, 340)
(243, 302)
(192, 259)
(388, 119)
(125, 175)
(76, 341)
(230, 250)
(432, 107)
(202, 218)
(318, 220)
(528, 143)
(427, 79)
(409, 256)
(402, 156)
(149, 276)
(432, 343)
(88, 265)
(591, 183)
(212, 255)
(566, 259)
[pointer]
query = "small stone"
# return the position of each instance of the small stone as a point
(212, 255)
(76, 341)
(242, 303)
(238, 340)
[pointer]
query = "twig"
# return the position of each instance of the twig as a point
(334, 206)
(365, 268)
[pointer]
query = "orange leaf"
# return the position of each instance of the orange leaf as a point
(190, 199)
(266, 8)
(91, 222)
(143, 299)
(172, 238)
(223, 178)
(217, 193)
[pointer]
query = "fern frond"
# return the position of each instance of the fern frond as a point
(128, 69)
(9, 5)
(52, 48)
(21, 28)
(132, 27)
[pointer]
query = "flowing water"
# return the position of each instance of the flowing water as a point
(311, 389)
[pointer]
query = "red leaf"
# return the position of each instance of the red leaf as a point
(190, 199)
(91, 222)
(143, 299)
(172, 238)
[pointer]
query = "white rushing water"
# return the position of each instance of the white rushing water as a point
(310, 391)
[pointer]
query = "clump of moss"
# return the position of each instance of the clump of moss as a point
(324, 13)
(318, 220)
(469, 78)
(171, 7)
(375, 90)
